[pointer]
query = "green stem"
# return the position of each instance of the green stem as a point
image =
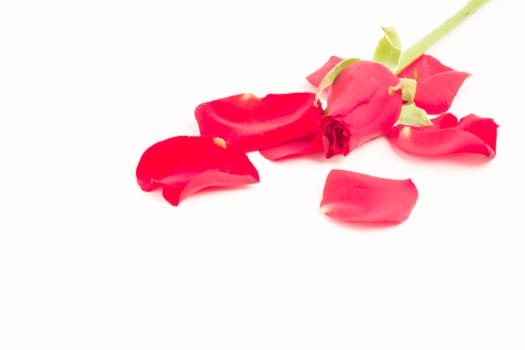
(420, 47)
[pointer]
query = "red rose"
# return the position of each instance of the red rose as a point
(336, 137)
(362, 104)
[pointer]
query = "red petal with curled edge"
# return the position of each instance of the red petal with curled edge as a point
(355, 197)
(471, 134)
(251, 123)
(183, 165)
(484, 128)
(437, 84)
(294, 148)
(316, 77)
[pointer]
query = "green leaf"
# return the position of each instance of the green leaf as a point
(408, 88)
(388, 50)
(331, 75)
(413, 115)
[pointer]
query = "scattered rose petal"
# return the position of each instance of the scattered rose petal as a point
(183, 165)
(437, 84)
(423, 68)
(316, 77)
(251, 123)
(294, 148)
(354, 197)
(447, 135)
(435, 94)
(362, 104)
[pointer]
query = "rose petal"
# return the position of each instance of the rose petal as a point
(445, 120)
(437, 84)
(471, 135)
(294, 148)
(424, 67)
(316, 77)
(484, 128)
(183, 165)
(251, 123)
(436, 93)
(354, 197)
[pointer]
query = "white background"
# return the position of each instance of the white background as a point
(89, 261)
